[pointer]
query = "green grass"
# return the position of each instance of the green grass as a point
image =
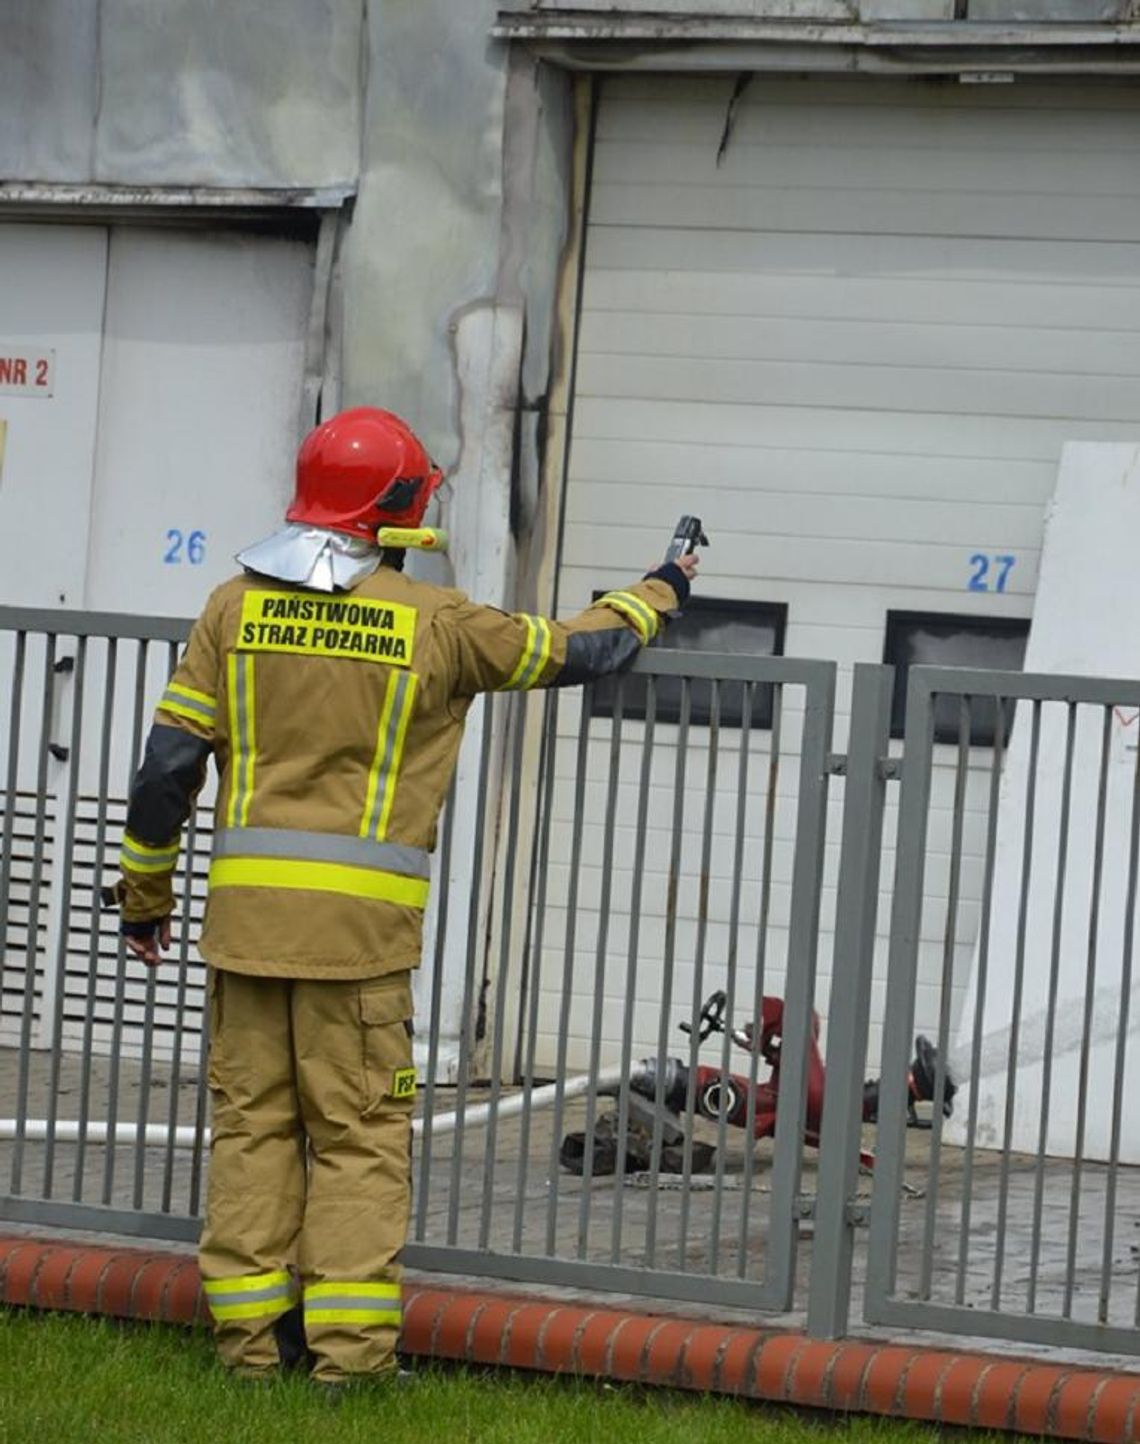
(67, 1379)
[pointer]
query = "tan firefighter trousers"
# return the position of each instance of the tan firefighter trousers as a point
(309, 1190)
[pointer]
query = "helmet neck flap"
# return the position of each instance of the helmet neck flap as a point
(312, 556)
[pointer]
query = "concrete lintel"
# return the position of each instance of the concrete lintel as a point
(28, 194)
(642, 41)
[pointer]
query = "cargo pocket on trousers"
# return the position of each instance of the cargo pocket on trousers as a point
(386, 1031)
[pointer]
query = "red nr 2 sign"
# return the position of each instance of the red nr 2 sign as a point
(26, 371)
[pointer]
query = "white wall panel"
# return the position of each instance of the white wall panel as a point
(52, 286)
(202, 368)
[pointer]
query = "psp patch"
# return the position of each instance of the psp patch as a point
(369, 631)
(404, 1083)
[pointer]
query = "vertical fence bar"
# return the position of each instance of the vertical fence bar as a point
(121, 970)
(949, 946)
(1015, 1012)
(1087, 1019)
(423, 1189)
(468, 1013)
(1051, 1003)
(853, 957)
(906, 922)
(179, 1032)
(110, 659)
(11, 787)
(730, 973)
(150, 984)
(23, 1077)
(10, 796)
(1121, 1053)
(758, 985)
(582, 763)
(699, 972)
(631, 957)
(982, 983)
(673, 885)
(799, 993)
(600, 972)
(515, 736)
(536, 916)
(63, 882)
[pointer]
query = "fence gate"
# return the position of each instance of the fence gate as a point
(1019, 1214)
(673, 852)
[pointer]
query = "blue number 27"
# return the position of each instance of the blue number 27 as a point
(980, 580)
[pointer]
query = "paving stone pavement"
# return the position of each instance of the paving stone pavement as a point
(515, 1199)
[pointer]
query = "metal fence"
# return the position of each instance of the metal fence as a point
(631, 889)
(1029, 1225)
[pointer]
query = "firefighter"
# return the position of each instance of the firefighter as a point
(331, 691)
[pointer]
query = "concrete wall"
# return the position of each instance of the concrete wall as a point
(453, 249)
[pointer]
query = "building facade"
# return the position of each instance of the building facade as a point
(840, 277)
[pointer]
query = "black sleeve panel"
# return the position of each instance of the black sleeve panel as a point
(596, 654)
(173, 769)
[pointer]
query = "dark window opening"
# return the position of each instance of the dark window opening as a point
(942, 639)
(750, 629)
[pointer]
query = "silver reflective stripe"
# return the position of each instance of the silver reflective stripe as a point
(322, 847)
(353, 1302)
(182, 700)
(219, 1298)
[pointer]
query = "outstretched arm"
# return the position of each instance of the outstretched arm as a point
(499, 651)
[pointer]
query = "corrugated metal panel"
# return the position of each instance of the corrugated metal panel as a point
(855, 347)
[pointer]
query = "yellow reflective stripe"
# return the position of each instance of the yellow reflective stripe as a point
(640, 613)
(378, 760)
(127, 864)
(252, 1296)
(302, 875)
(235, 739)
(403, 717)
(547, 641)
(195, 696)
(336, 1290)
(247, 1283)
(187, 702)
(241, 712)
(392, 1317)
(267, 1310)
(144, 849)
(136, 856)
(353, 1303)
(535, 655)
(181, 709)
(525, 657)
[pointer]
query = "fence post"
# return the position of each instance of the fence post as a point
(856, 910)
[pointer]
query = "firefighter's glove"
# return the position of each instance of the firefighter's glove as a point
(147, 938)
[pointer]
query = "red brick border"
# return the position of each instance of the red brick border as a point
(451, 1322)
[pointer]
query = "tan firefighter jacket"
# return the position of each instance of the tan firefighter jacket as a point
(335, 721)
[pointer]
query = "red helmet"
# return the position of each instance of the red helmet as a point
(361, 470)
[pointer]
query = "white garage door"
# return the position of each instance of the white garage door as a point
(855, 346)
